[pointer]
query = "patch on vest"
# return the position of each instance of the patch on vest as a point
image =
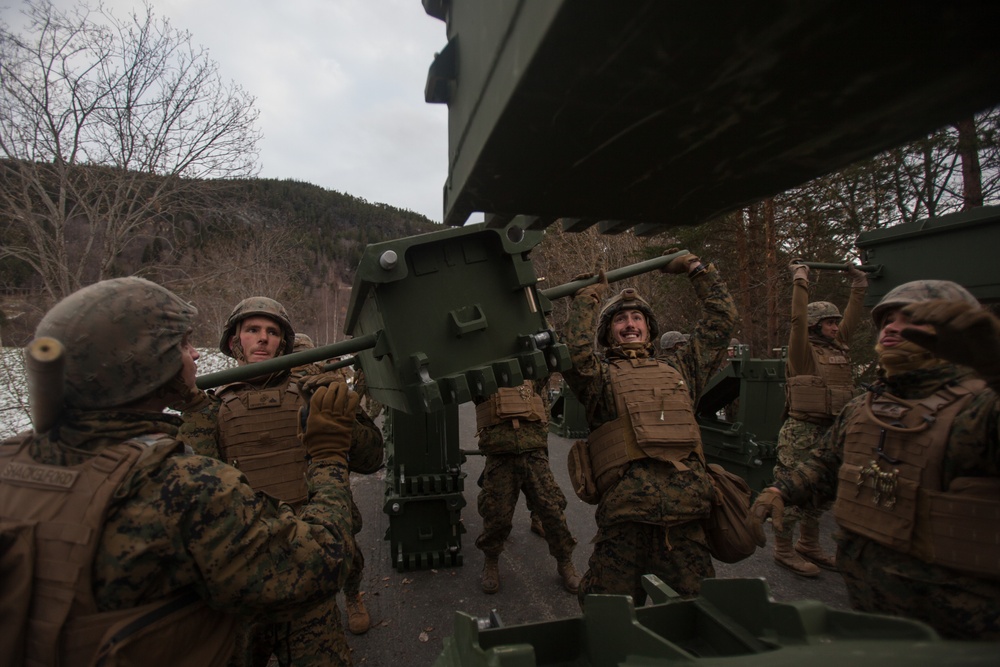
(42, 476)
(265, 398)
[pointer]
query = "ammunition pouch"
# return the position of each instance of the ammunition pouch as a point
(727, 531)
(819, 398)
(581, 475)
(511, 404)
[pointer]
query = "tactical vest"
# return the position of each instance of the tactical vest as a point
(513, 405)
(889, 487)
(819, 398)
(258, 433)
(51, 519)
(655, 420)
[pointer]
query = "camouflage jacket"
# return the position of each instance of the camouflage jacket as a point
(190, 521)
(973, 448)
(200, 430)
(652, 491)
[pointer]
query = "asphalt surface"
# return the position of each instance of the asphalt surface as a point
(413, 612)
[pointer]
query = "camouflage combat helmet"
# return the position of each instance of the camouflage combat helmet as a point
(252, 307)
(122, 339)
(302, 342)
(672, 339)
(627, 299)
(917, 291)
(817, 311)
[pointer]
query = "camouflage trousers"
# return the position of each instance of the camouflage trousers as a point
(624, 552)
(881, 580)
(796, 440)
(315, 638)
(504, 478)
(352, 585)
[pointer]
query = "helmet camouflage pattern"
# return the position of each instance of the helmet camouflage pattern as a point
(917, 291)
(817, 311)
(258, 306)
(672, 339)
(627, 299)
(302, 342)
(122, 339)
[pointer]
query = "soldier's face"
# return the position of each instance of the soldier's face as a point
(829, 327)
(260, 338)
(629, 326)
(889, 335)
(189, 367)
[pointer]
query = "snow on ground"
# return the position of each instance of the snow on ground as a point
(14, 414)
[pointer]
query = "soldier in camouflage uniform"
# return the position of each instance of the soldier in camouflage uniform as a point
(644, 446)
(914, 466)
(818, 382)
(142, 543)
(672, 341)
(513, 434)
(253, 426)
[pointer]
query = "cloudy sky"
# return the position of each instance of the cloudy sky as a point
(339, 85)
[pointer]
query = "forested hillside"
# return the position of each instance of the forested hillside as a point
(293, 241)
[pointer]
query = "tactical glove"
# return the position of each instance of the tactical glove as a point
(330, 422)
(963, 334)
(310, 383)
(768, 504)
(859, 277)
(598, 290)
(798, 269)
(682, 264)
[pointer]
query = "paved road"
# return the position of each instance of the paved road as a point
(413, 612)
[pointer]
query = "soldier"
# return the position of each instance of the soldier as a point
(673, 341)
(512, 427)
(252, 425)
(818, 383)
(914, 465)
(644, 448)
(134, 543)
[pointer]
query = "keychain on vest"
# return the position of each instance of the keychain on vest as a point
(880, 449)
(882, 484)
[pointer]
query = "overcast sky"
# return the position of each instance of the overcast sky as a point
(339, 85)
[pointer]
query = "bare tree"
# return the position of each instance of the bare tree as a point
(132, 100)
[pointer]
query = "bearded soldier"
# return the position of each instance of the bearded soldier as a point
(117, 544)
(914, 465)
(818, 383)
(253, 426)
(644, 450)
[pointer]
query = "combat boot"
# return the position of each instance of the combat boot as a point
(490, 579)
(358, 620)
(570, 578)
(536, 526)
(808, 546)
(785, 556)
